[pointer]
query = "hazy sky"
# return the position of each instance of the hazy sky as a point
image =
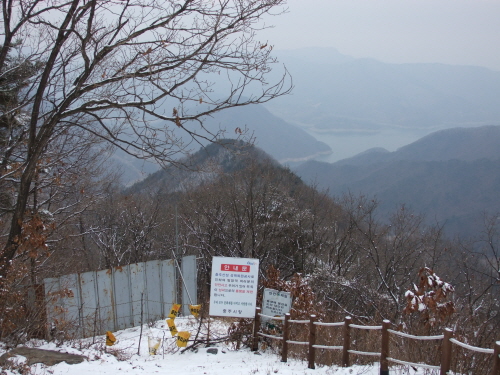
(465, 32)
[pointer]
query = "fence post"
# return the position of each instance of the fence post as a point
(256, 326)
(347, 341)
(384, 353)
(286, 335)
(446, 352)
(208, 332)
(312, 341)
(496, 359)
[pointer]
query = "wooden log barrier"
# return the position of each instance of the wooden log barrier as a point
(347, 341)
(446, 352)
(286, 336)
(496, 359)
(312, 341)
(384, 353)
(256, 327)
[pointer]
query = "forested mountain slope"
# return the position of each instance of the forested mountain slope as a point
(205, 166)
(451, 176)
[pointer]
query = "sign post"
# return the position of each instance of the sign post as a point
(233, 290)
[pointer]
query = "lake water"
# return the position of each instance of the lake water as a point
(347, 144)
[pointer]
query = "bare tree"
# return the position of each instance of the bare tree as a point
(396, 250)
(135, 73)
(367, 264)
(122, 231)
(476, 267)
(71, 182)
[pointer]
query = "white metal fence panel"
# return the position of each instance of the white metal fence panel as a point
(63, 296)
(91, 303)
(88, 303)
(168, 285)
(136, 291)
(188, 267)
(105, 300)
(153, 290)
(123, 302)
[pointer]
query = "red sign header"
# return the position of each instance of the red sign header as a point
(234, 268)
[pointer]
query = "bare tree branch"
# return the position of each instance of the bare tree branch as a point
(140, 74)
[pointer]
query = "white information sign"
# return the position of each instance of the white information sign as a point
(233, 291)
(276, 303)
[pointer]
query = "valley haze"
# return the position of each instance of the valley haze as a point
(355, 104)
(345, 113)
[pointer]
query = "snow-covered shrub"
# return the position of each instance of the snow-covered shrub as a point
(304, 301)
(430, 298)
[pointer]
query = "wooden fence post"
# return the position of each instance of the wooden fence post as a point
(286, 336)
(256, 326)
(496, 359)
(347, 341)
(312, 341)
(446, 352)
(384, 353)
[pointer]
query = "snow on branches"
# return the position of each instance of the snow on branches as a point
(430, 298)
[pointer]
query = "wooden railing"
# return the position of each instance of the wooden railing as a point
(384, 355)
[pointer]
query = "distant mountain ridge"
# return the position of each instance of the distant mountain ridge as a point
(457, 143)
(452, 176)
(338, 92)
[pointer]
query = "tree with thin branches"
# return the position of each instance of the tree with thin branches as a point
(138, 74)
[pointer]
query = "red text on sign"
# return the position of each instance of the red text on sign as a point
(234, 268)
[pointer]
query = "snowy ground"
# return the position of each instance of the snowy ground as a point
(123, 357)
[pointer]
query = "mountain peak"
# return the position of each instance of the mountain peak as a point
(205, 165)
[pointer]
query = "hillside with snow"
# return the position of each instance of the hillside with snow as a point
(127, 357)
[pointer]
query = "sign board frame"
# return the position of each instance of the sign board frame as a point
(276, 303)
(234, 285)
